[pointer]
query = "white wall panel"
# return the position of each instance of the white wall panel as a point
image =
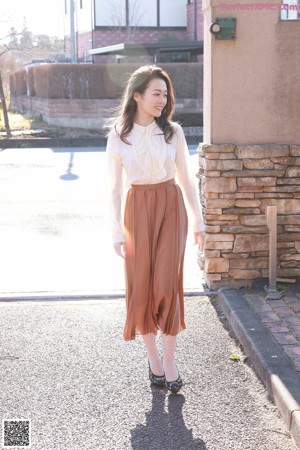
(84, 16)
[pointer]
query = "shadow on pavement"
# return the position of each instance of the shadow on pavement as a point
(69, 176)
(165, 427)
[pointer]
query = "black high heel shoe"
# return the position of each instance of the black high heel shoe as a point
(174, 386)
(155, 379)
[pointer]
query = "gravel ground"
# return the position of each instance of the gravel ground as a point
(65, 366)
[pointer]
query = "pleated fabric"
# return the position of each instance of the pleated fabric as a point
(156, 225)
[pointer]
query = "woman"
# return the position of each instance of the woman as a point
(150, 150)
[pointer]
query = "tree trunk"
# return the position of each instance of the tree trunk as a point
(4, 109)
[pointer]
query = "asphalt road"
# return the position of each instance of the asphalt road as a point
(54, 230)
(65, 366)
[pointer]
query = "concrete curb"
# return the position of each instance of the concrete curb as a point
(99, 141)
(73, 296)
(270, 362)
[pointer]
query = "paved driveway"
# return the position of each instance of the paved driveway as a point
(65, 366)
(54, 232)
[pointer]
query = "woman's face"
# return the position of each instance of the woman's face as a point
(151, 103)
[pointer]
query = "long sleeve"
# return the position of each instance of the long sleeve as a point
(115, 190)
(186, 180)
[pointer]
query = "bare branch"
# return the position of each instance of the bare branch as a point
(10, 35)
(6, 49)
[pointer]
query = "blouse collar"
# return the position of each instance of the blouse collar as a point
(148, 129)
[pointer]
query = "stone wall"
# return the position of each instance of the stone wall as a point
(83, 113)
(237, 182)
(74, 113)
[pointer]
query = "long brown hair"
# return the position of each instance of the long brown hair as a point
(138, 82)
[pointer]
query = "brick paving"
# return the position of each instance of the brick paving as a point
(281, 317)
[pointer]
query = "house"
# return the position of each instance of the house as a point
(102, 23)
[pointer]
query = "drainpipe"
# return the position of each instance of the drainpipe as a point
(195, 20)
(93, 26)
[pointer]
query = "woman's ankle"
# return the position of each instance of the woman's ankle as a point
(156, 366)
(170, 369)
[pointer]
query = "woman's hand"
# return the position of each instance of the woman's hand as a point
(199, 239)
(120, 249)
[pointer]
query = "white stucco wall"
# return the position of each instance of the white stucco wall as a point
(251, 84)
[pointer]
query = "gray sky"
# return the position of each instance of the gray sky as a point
(42, 16)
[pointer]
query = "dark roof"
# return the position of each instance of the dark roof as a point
(194, 47)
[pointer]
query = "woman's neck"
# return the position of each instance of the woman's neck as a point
(143, 121)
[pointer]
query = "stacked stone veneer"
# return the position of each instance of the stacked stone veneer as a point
(237, 182)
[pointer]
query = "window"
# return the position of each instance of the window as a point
(174, 16)
(140, 13)
(290, 10)
(110, 13)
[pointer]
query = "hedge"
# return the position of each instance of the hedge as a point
(98, 81)
(17, 82)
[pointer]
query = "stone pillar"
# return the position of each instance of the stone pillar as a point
(250, 157)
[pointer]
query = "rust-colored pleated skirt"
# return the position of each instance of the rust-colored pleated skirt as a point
(156, 224)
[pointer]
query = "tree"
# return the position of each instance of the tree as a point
(13, 37)
(9, 43)
(4, 48)
(26, 37)
(48, 44)
(43, 41)
(4, 109)
(22, 43)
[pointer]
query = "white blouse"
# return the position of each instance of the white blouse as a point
(148, 160)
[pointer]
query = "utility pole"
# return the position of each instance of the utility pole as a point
(72, 32)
